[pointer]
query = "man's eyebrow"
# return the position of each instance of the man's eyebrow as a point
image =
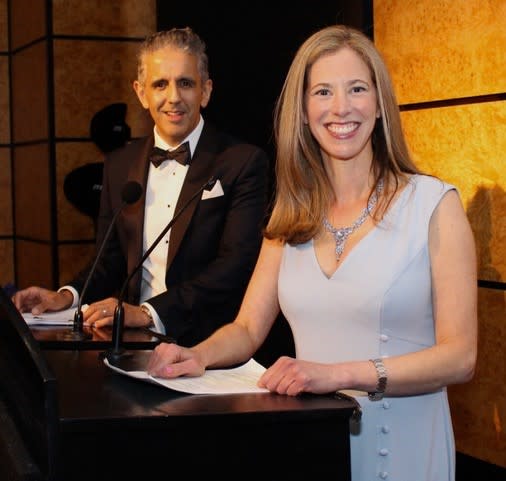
(158, 81)
(191, 80)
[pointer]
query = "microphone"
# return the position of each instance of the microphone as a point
(116, 352)
(130, 194)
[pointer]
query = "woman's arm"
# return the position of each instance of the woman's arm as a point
(235, 342)
(454, 291)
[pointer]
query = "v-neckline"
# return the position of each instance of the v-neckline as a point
(343, 261)
(391, 210)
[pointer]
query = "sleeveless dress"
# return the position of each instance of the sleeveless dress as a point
(378, 303)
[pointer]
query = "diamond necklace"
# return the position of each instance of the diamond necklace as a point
(341, 235)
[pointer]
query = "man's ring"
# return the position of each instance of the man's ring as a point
(104, 312)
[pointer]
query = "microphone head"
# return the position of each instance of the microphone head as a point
(131, 192)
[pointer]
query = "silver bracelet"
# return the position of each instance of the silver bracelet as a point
(381, 371)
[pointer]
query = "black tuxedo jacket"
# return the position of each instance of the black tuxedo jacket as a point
(213, 245)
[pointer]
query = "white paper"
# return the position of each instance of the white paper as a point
(59, 318)
(242, 379)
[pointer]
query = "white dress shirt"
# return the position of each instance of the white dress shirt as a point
(163, 187)
(162, 192)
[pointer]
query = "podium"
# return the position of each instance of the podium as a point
(29, 434)
(66, 416)
(116, 427)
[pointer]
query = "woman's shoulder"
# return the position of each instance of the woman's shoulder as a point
(430, 185)
(421, 193)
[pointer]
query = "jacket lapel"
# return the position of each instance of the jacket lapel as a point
(202, 167)
(134, 215)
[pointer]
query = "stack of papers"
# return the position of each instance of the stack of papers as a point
(238, 380)
(60, 318)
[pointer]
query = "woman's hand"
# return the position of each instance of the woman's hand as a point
(170, 361)
(291, 376)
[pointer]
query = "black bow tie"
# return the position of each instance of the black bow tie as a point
(181, 155)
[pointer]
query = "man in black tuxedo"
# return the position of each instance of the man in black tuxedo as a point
(194, 281)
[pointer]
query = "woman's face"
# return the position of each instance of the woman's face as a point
(341, 105)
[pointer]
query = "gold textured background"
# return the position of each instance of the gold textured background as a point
(89, 74)
(6, 242)
(466, 145)
(28, 20)
(4, 40)
(113, 18)
(456, 49)
(111, 68)
(58, 85)
(439, 49)
(4, 98)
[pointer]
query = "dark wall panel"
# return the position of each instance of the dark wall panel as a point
(250, 47)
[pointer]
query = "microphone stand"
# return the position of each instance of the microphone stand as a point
(77, 332)
(131, 193)
(117, 352)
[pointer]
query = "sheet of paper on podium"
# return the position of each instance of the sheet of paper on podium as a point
(59, 318)
(242, 379)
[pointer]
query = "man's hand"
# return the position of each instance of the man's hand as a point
(37, 300)
(101, 313)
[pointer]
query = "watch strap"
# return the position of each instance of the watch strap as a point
(381, 371)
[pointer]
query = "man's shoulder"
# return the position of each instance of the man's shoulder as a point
(131, 149)
(227, 144)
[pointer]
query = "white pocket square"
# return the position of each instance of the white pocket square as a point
(216, 191)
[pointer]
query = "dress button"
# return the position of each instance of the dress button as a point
(386, 405)
(384, 337)
(383, 475)
(383, 451)
(385, 429)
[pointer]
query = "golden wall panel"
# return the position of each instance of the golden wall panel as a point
(30, 94)
(479, 407)
(72, 224)
(72, 259)
(439, 49)
(33, 261)
(5, 192)
(110, 69)
(118, 18)
(466, 146)
(32, 192)
(4, 33)
(6, 262)
(5, 133)
(28, 21)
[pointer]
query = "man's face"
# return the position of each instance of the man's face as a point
(173, 91)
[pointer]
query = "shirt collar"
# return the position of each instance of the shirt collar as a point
(192, 138)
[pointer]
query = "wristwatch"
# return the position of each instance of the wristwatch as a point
(146, 311)
(381, 371)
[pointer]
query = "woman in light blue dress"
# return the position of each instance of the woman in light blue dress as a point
(372, 263)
